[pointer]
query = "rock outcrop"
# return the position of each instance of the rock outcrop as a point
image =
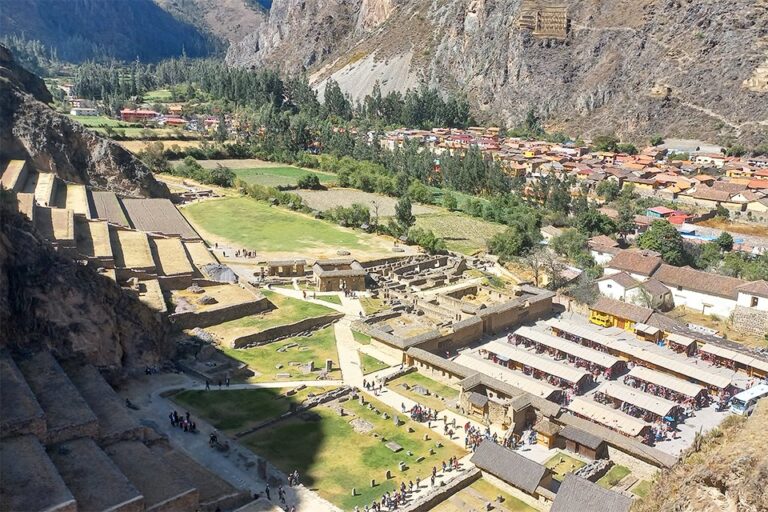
(587, 67)
(30, 130)
(48, 300)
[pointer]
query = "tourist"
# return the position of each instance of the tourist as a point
(227, 382)
(295, 477)
(418, 482)
(266, 491)
(207, 385)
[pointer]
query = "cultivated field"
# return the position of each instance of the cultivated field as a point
(462, 233)
(326, 199)
(135, 146)
(276, 233)
(280, 176)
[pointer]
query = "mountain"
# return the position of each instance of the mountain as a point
(227, 20)
(30, 130)
(123, 29)
(675, 67)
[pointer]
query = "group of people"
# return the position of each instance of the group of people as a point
(420, 413)
(239, 253)
(281, 495)
(474, 436)
(183, 422)
(225, 382)
(399, 497)
(374, 387)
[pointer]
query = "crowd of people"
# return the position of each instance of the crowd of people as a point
(420, 413)
(183, 422)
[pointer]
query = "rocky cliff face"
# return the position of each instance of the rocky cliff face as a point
(31, 130)
(49, 300)
(673, 67)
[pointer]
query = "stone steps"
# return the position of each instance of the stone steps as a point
(93, 242)
(93, 478)
(214, 493)
(30, 481)
(56, 224)
(115, 422)
(157, 482)
(67, 414)
(14, 175)
(131, 251)
(20, 413)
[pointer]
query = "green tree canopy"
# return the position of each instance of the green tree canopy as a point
(663, 238)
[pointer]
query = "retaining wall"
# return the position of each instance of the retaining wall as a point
(190, 319)
(284, 331)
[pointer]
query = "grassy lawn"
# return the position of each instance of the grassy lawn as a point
(288, 310)
(238, 409)
(318, 347)
(370, 364)
(280, 176)
(332, 457)
(371, 306)
(361, 338)
(641, 488)
(333, 299)
(613, 476)
(477, 495)
(435, 388)
(98, 121)
(157, 95)
(253, 224)
(461, 232)
(560, 469)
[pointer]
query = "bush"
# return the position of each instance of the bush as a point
(309, 181)
(427, 240)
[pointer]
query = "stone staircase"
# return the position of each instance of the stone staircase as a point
(68, 443)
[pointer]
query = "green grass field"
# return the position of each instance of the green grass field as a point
(157, 95)
(92, 121)
(361, 338)
(642, 488)
(333, 299)
(434, 387)
(370, 364)
(613, 476)
(234, 410)
(288, 310)
(255, 225)
(560, 469)
(280, 176)
(332, 457)
(318, 347)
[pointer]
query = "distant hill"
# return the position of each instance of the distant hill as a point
(123, 29)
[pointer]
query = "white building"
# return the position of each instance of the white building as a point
(83, 111)
(621, 286)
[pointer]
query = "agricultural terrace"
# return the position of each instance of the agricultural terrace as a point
(478, 495)
(424, 390)
(338, 453)
(276, 233)
(287, 311)
(323, 200)
(288, 359)
(235, 410)
(135, 146)
(462, 233)
(280, 176)
(224, 295)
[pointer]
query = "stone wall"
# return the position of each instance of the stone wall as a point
(750, 320)
(539, 504)
(190, 319)
(284, 331)
(430, 500)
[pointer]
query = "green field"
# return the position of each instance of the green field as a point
(613, 476)
(371, 305)
(332, 457)
(317, 347)
(361, 338)
(288, 310)
(560, 469)
(93, 121)
(462, 233)
(435, 388)
(280, 176)
(257, 226)
(370, 364)
(333, 299)
(642, 488)
(157, 95)
(238, 409)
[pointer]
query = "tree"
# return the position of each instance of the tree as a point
(721, 211)
(570, 243)
(450, 202)
(404, 214)
(592, 223)
(627, 148)
(625, 224)
(309, 181)
(427, 240)
(663, 238)
(535, 261)
(605, 142)
(221, 176)
(608, 190)
(657, 140)
(725, 241)
(153, 156)
(510, 243)
(709, 256)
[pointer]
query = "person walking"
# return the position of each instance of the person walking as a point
(266, 491)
